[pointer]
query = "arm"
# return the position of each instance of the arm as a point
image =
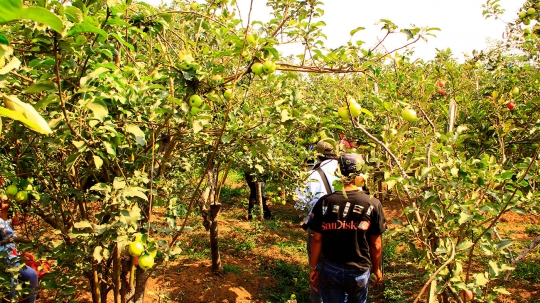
(4, 210)
(375, 251)
(316, 244)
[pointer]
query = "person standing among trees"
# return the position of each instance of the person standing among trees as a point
(253, 197)
(26, 273)
(319, 184)
(347, 227)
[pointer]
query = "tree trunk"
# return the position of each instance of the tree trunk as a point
(96, 285)
(260, 200)
(140, 285)
(116, 275)
(214, 244)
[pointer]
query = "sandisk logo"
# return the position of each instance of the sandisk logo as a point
(364, 225)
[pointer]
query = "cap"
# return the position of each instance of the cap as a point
(326, 146)
(348, 163)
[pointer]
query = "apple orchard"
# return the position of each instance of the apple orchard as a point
(113, 110)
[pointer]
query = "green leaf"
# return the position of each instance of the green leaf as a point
(109, 148)
(25, 113)
(493, 268)
(464, 245)
(480, 279)
(97, 253)
(74, 14)
(99, 108)
(133, 191)
(42, 15)
(273, 51)
(13, 64)
(98, 161)
(354, 31)
(86, 28)
(10, 10)
(501, 290)
(40, 86)
(507, 175)
(137, 132)
(126, 44)
(504, 244)
(4, 40)
(197, 126)
(367, 112)
(46, 101)
(82, 224)
(80, 145)
(463, 217)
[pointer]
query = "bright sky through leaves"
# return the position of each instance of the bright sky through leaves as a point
(463, 28)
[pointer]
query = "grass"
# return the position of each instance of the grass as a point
(532, 230)
(528, 271)
(289, 279)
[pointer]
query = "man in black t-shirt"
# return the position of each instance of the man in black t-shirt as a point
(347, 230)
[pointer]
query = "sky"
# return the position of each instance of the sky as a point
(463, 27)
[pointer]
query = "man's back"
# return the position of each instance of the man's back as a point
(345, 224)
(315, 188)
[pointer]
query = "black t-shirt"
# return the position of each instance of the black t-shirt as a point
(346, 224)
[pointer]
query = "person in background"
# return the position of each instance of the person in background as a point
(319, 183)
(27, 275)
(253, 197)
(347, 227)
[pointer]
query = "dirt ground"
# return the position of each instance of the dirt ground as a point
(189, 278)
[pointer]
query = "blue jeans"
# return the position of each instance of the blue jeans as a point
(340, 283)
(26, 274)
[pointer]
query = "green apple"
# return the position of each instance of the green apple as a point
(194, 6)
(531, 11)
(195, 101)
(408, 115)
(136, 248)
(251, 39)
(21, 196)
(343, 112)
(146, 261)
(538, 6)
(12, 190)
(269, 67)
(522, 14)
(515, 91)
(228, 94)
(495, 94)
(186, 66)
(257, 68)
(283, 202)
(526, 21)
(527, 31)
(355, 109)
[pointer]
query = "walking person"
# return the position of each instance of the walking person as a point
(347, 227)
(319, 183)
(253, 197)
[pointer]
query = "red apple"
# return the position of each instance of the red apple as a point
(510, 105)
(442, 92)
(441, 83)
(467, 294)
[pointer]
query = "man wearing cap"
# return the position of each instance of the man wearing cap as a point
(319, 184)
(347, 227)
